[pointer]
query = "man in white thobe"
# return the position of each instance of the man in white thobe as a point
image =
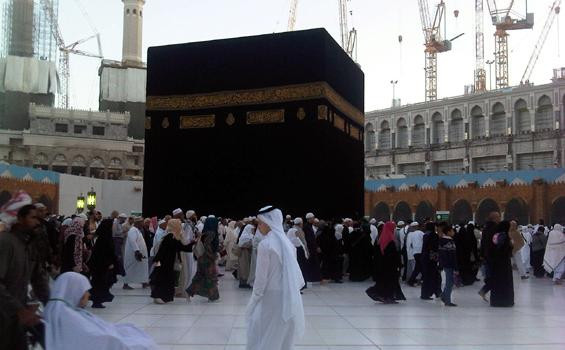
(374, 231)
(189, 232)
(414, 242)
(135, 256)
(275, 313)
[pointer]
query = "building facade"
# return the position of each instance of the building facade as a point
(519, 128)
(87, 143)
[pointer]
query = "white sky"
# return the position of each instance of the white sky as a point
(378, 22)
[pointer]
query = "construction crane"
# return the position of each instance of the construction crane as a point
(480, 72)
(292, 15)
(434, 43)
(505, 19)
(348, 37)
(553, 13)
(65, 51)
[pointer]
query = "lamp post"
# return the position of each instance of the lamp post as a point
(394, 82)
(91, 199)
(80, 203)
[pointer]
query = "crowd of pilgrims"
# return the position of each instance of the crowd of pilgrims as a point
(180, 254)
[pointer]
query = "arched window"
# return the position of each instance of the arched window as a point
(544, 114)
(401, 133)
(457, 127)
(115, 163)
(134, 11)
(97, 162)
(497, 120)
(438, 130)
(384, 136)
(60, 159)
(127, 11)
(79, 161)
(461, 212)
(41, 158)
(477, 122)
(486, 207)
(418, 132)
(523, 119)
(369, 137)
(381, 212)
(402, 212)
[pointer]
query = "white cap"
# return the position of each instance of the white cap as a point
(381, 223)
(401, 223)
(40, 206)
(288, 217)
(310, 216)
(177, 211)
(471, 223)
(190, 213)
(161, 222)
(123, 216)
(414, 224)
(211, 217)
(373, 221)
(82, 216)
(316, 220)
(298, 221)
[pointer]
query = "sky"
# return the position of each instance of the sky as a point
(378, 22)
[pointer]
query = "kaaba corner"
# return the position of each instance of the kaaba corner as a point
(235, 124)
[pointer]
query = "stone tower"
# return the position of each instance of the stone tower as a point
(133, 32)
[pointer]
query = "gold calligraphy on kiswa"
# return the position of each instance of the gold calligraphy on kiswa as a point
(197, 121)
(265, 117)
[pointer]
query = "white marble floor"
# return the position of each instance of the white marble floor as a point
(343, 317)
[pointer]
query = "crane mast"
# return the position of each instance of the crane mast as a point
(348, 37)
(553, 13)
(292, 15)
(480, 72)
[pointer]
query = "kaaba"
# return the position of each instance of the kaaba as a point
(236, 124)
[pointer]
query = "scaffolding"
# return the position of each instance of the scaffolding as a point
(26, 30)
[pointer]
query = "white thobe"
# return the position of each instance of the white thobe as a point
(374, 234)
(256, 240)
(136, 271)
(188, 268)
(414, 243)
(266, 329)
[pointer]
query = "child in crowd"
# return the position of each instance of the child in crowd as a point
(448, 262)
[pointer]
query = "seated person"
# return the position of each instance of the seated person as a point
(69, 327)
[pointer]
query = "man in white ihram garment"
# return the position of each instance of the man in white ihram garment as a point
(135, 256)
(275, 314)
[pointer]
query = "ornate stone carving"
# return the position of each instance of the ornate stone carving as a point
(165, 123)
(322, 112)
(197, 121)
(265, 117)
(268, 95)
(300, 115)
(230, 120)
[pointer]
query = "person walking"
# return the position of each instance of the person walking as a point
(448, 262)
(205, 282)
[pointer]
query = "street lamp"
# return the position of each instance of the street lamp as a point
(91, 199)
(80, 203)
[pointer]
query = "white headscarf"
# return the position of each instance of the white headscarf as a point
(67, 327)
(292, 276)
(338, 231)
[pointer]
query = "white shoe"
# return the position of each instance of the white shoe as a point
(158, 301)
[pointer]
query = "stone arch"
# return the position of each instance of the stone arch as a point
(97, 162)
(544, 114)
(517, 210)
(79, 161)
(477, 122)
(402, 212)
(497, 125)
(438, 128)
(418, 131)
(457, 126)
(424, 211)
(60, 159)
(41, 158)
(486, 206)
(461, 212)
(381, 212)
(369, 137)
(115, 163)
(384, 135)
(558, 211)
(523, 120)
(401, 133)
(5, 196)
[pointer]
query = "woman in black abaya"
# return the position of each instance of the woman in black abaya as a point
(330, 256)
(101, 265)
(467, 254)
(500, 252)
(360, 255)
(431, 277)
(388, 263)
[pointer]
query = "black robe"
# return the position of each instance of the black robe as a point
(103, 256)
(431, 276)
(312, 266)
(501, 282)
(467, 255)
(387, 285)
(163, 277)
(360, 256)
(330, 256)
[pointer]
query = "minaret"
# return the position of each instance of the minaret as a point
(133, 31)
